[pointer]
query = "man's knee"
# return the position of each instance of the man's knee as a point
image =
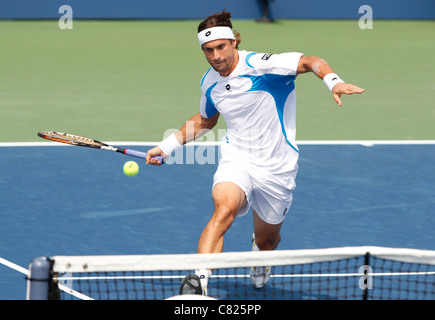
(224, 215)
(228, 200)
(267, 242)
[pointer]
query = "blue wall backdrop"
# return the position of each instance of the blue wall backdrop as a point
(198, 9)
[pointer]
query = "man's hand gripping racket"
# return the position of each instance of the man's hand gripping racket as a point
(154, 155)
(91, 143)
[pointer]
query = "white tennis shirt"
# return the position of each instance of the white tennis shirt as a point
(258, 103)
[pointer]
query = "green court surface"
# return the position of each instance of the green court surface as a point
(132, 80)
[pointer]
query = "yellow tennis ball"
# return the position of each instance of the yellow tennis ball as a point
(131, 168)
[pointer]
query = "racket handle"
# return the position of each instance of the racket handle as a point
(143, 155)
(160, 158)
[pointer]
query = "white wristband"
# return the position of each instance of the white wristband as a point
(169, 145)
(331, 79)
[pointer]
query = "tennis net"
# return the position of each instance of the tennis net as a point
(348, 273)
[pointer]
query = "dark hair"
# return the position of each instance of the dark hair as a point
(219, 19)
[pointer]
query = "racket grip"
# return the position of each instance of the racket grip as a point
(160, 158)
(143, 155)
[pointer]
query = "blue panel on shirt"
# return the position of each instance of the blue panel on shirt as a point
(210, 109)
(279, 87)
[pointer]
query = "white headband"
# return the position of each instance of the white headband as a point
(215, 33)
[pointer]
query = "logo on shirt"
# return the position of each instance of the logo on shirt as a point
(228, 87)
(266, 56)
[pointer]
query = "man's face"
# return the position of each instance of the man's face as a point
(221, 54)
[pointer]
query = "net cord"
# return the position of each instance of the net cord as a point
(64, 264)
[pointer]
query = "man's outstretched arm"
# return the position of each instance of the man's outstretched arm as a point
(322, 69)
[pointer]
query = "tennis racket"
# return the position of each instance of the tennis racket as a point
(91, 143)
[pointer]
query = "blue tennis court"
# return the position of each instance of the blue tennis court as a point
(59, 200)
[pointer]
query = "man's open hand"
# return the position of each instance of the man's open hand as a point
(344, 88)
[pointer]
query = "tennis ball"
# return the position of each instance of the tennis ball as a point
(131, 168)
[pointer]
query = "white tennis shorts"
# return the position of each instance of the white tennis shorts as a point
(270, 195)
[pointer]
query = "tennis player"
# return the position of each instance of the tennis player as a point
(255, 94)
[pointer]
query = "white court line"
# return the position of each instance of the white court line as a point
(14, 266)
(208, 143)
(18, 268)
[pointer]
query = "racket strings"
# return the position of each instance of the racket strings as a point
(70, 138)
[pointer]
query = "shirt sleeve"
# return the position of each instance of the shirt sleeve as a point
(207, 105)
(282, 63)
(202, 107)
(207, 108)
